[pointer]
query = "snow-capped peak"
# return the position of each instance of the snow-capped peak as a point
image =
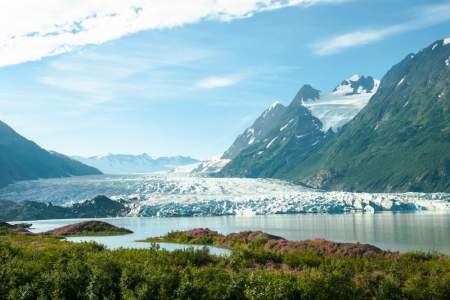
(273, 105)
(356, 84)
(271, 108)
(355, 77)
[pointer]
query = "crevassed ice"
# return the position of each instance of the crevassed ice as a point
(175, 195)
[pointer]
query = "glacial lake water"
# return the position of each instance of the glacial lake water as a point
(412, 231)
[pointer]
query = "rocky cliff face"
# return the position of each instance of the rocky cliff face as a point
(268, 120)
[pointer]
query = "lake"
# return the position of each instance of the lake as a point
(406, 231)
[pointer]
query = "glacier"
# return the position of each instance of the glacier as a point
(337, 108)
(172, 194)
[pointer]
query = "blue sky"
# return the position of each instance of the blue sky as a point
(191, 86)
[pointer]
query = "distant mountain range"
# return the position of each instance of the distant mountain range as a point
(365, 135)
(131, 164)
(21, 159)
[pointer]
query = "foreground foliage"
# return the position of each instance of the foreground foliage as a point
(47, 268)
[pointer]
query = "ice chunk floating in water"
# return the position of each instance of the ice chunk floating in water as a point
(175, 195)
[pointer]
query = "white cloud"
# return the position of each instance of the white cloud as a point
(97, 76)
(219, 81)
(31, 30)
(424, 16)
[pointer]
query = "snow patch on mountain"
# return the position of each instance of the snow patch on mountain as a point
(337, 108)
(287, 124)
(210, 166)
(446, 41)
(271, 142)
(251, 135)
(400, 82)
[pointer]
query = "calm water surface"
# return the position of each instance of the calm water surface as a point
(426, 231)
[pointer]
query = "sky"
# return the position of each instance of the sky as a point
(185, 77)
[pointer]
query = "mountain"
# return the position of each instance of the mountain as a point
(30, 210)
(258, 131)
(400, 141)
(21, 159)
(129, 164)
(99, 207)
(299, 130)
(388, 136)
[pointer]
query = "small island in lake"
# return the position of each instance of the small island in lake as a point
(89, 228)
(258, 240)
(86, 228)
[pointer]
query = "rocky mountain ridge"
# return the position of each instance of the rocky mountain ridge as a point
(365, 134)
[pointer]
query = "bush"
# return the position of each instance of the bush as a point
(44, 268)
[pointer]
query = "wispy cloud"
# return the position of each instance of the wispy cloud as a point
(219, 81)
(423, 17)
(31, 30)
(99, 76)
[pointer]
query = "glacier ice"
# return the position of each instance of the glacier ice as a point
(337, 108)
(172, 194)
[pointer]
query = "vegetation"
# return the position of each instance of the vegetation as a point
(99, 207)
(256, 240)
(40, 267)
(89, 228)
